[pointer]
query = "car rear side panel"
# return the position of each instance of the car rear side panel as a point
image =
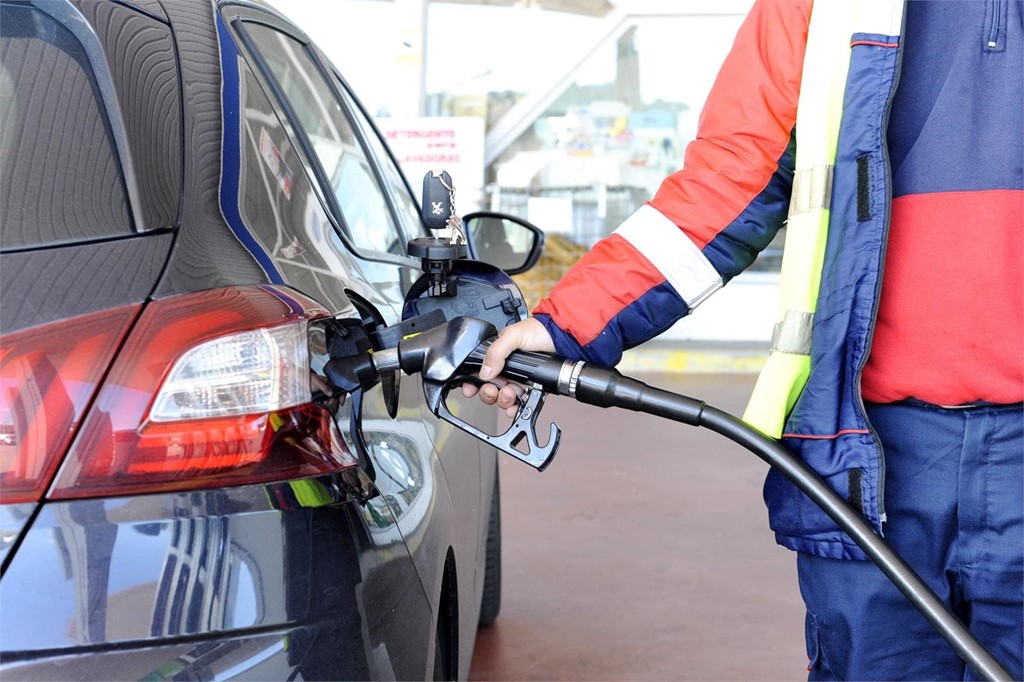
(49, 286)
(207, 255)
(293, 571)
(45, 286)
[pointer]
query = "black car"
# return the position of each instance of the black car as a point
(195, 213)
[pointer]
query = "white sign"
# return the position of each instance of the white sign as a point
(449, 143)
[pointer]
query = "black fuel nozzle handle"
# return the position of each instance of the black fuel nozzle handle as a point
(446, 355)
(589, 384)
(457, 348)
(549, 372)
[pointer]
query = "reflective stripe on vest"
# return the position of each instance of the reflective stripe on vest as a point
(819, 112)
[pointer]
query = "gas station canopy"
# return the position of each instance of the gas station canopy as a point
(592, 8)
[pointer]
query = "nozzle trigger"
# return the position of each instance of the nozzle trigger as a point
(523, 426)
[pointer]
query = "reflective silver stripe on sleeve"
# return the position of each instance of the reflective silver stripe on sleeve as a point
(812, 188)
(793, 334)
(671, 251)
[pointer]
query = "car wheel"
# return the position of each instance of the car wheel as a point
(490, 602)
(446, 640)
(441, 667)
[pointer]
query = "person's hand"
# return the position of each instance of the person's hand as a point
(526, 335)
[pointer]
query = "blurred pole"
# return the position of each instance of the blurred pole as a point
(410, 99)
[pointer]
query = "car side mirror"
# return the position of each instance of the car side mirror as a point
(504, 241)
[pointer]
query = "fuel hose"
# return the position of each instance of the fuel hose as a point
(457, 349)
(606, 387)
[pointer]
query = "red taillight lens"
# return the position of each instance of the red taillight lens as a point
(210, 390)
(48, 375)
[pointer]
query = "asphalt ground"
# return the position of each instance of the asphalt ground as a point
(643, 553)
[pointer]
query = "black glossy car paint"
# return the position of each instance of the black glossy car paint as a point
(333, 577)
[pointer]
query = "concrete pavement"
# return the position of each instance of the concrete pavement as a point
(643, 553)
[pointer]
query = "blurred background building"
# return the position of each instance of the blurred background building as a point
(568, 113)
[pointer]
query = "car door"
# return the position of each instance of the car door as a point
(471, 466)
(464, 458)
(278, 211)
(436, 499)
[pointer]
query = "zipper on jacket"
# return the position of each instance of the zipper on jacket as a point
(886, 217)
(994, 25)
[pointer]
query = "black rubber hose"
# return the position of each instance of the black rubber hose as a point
(608, 388)
(890, 563)
(434, 353)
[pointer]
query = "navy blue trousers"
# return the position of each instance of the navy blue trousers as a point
(954, 501)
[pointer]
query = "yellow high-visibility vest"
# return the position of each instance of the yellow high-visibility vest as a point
(819, 113)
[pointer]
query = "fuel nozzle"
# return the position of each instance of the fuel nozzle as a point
(456, 349)
(448, 355)
(438, 253)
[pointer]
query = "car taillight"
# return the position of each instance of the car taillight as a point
(211, 389)
(48, 375)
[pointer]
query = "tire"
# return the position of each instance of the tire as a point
(490, 602)
(442, 669)
(446, 652)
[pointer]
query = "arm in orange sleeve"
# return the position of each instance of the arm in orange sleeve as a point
(707, 221)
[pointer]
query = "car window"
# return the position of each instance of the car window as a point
(283, 221)
(61, 178)
(405, 205)
(360, 198)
